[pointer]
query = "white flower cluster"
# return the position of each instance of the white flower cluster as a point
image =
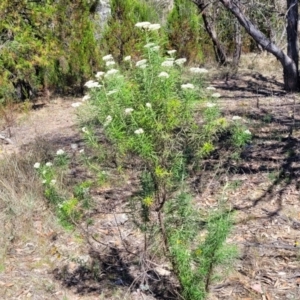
(142, 64)
(60, 152)
(92, 84)
(128, 111)
(147, 26)
(37, 165)
(180, 61)
(187, 86)
(235, 118)
(99, 74)
(139, 131)
(127, 58)
(216, 95)
(170, 52)
(84, 130)
(210, 105)
(86, 97)
(107, 120)
(198, 70)
(164, 75)
(108, 57)
(111, 72)
(76, 104)
(211, 88)
(167, 63)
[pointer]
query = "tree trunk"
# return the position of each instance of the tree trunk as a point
(292, 45)
(238, 44)
(219, 50)
(289, 63)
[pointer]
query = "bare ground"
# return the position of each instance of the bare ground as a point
(262, 188)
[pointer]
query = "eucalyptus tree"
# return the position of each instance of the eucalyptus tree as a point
(289, 60)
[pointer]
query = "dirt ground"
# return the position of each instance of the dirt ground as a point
(262, 189)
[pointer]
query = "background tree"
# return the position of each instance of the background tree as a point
(288, 60)
(44, 44)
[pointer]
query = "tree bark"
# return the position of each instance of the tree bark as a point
(292, 45)
(238, 44)
(289, 63)
(219, 50)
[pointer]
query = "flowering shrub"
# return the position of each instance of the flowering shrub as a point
(149, 112)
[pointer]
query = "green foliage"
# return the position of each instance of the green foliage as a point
(45, 43)
(196, 249)
(69, 208)
(240, 134)
(119, 37)
(148, 114)
(184, 30)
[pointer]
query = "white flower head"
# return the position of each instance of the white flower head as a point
(107, 120)
(76, 104)
(44, 181)
(139, 131)
(143, 25)
(180, 61)
(141, 62)
(153, 27)
(248, 132)
(127, 58)
(111, 92)
(49, 164)
(149, 45)
(144, 66)
(167, 63)
(128, 111)
(164, 75)
(110, 63)
(84, 129)
(148, 105)
(52, 182)
(198, 70)
(170, 52)
(81, 151)
(216, 95)
(209, 104)
(37, 165)
(211, 88)
(60, 152)
(234, 118)
(92, 84)
(187, 86)
(155, 48)
(107, 57)
(86, 97)
(99, 74)
(111, 72)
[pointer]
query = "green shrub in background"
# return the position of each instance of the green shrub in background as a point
(184, 29)
(45, 44)
(119, 37)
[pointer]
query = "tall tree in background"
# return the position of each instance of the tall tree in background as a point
(289, 60)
